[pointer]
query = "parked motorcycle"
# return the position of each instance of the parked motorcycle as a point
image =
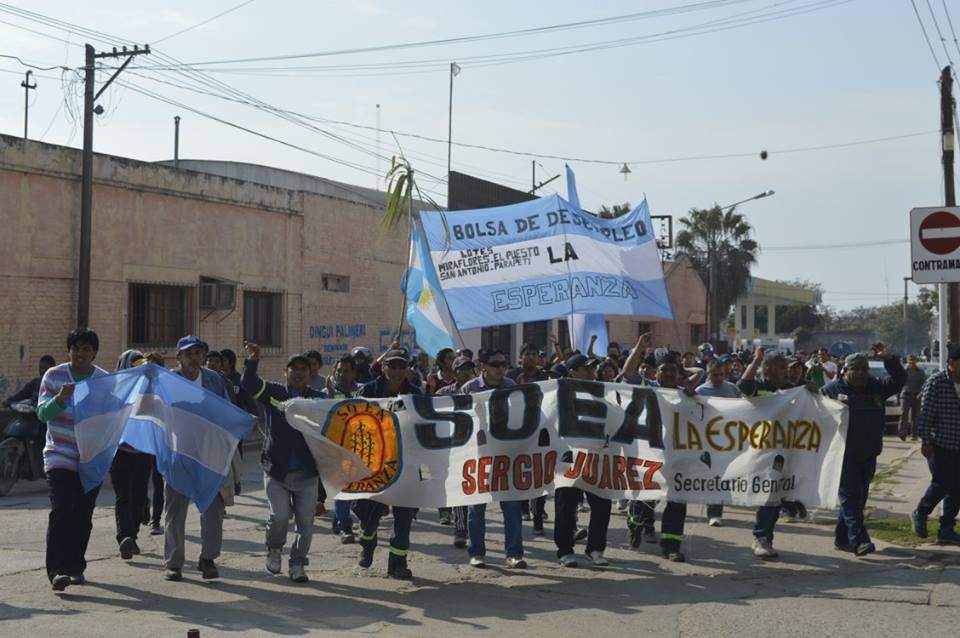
(21, 447)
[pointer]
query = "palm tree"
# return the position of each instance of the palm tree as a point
(616, 211)
(719, 241)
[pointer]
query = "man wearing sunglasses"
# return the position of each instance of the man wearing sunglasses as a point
(494, 364)
(392, 382)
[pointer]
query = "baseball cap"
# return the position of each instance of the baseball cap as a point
(857, 359)
(706, 349)
(529, 346)
(459, 362)
(576, 361)
(295, 358)
(397, 354)
(559, 369)
(185, 343)
(725, 357)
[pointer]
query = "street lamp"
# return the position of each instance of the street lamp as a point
(750, 199)
(711, 310)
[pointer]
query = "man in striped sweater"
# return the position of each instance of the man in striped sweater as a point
(71, 510)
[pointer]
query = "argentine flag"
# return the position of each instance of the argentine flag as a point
(584, 326)
(191, 431)
(427, 311)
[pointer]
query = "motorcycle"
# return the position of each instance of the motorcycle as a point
(21, 447)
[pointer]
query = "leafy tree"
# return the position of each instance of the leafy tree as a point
(616, 211)
(712, 237)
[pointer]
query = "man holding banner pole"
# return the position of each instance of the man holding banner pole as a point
(567, 499)
(492, 378)
(392, 382)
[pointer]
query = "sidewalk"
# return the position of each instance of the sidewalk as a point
(722, 590)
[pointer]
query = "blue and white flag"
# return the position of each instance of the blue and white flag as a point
(582, 327)
(191, 431)
(545, 259)
(427, 311)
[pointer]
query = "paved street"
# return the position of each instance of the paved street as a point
(722, 590)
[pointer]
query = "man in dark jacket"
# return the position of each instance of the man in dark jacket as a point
(290, 473)
(939, 430)
(865, 397)
(391, 382)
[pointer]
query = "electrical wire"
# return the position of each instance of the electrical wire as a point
(34, 66)
(950, 22)
(926, 37)
(859, 244)
(207, 21)
(943, 41)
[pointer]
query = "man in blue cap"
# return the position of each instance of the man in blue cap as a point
(191, 351)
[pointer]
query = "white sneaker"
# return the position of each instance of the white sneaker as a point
(763, 548)
(477, 561)
(273, 561)
(516, 563)
(298, 574)
(598, 559)
(714, 522)
(568, 560)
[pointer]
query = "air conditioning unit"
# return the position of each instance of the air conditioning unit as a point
(216, 295)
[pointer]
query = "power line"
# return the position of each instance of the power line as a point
(34, 66)
(207, 21)
(936, 24)
(859, 244)
(936, 60)
(950, 22)
(488, 36)
(428, 65)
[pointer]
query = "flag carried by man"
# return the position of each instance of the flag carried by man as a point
(192, 432)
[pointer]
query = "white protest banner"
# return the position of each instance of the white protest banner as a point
(759, 451)
(523, 441)
(544, 259)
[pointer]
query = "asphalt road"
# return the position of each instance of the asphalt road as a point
(722, 590)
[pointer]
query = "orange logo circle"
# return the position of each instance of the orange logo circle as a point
(371, 433)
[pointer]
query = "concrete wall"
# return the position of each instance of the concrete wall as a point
(156, 224)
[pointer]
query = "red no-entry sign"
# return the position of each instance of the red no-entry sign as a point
(935, 244)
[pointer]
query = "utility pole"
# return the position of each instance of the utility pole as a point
(86, 182)
(906, 280)
(27, 87)
(176, 141)
(454, 72)
(950, 196)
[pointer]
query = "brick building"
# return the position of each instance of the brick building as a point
(180, 251)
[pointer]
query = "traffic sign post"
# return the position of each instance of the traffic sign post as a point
(935, 245)
(935, 256)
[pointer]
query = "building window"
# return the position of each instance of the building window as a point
(335, 283)
(696, 334)
(497, 338)
(563, 334)
(535, 332)
(262, 318)
(159, 315)
(743, 317)
(643, 327)
(760, 320)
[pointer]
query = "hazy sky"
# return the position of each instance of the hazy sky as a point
(847, 72)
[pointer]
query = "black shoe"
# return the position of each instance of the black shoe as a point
(126, 548)
(946, 536)
(865, 548)
(400, 573)
(919, 524)
(843, 547)
(366, 557)
(236, 489)
(208, 569)
(903, 437)
(59, 582)
(673, 555)
(173, 574)
(156, 530)
(801, 510)
(346, 538)
(77, 579)
(459, 542)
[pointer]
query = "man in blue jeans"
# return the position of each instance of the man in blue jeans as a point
(289, 471)
(344, 386)
(865, 396)
(494, 364)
